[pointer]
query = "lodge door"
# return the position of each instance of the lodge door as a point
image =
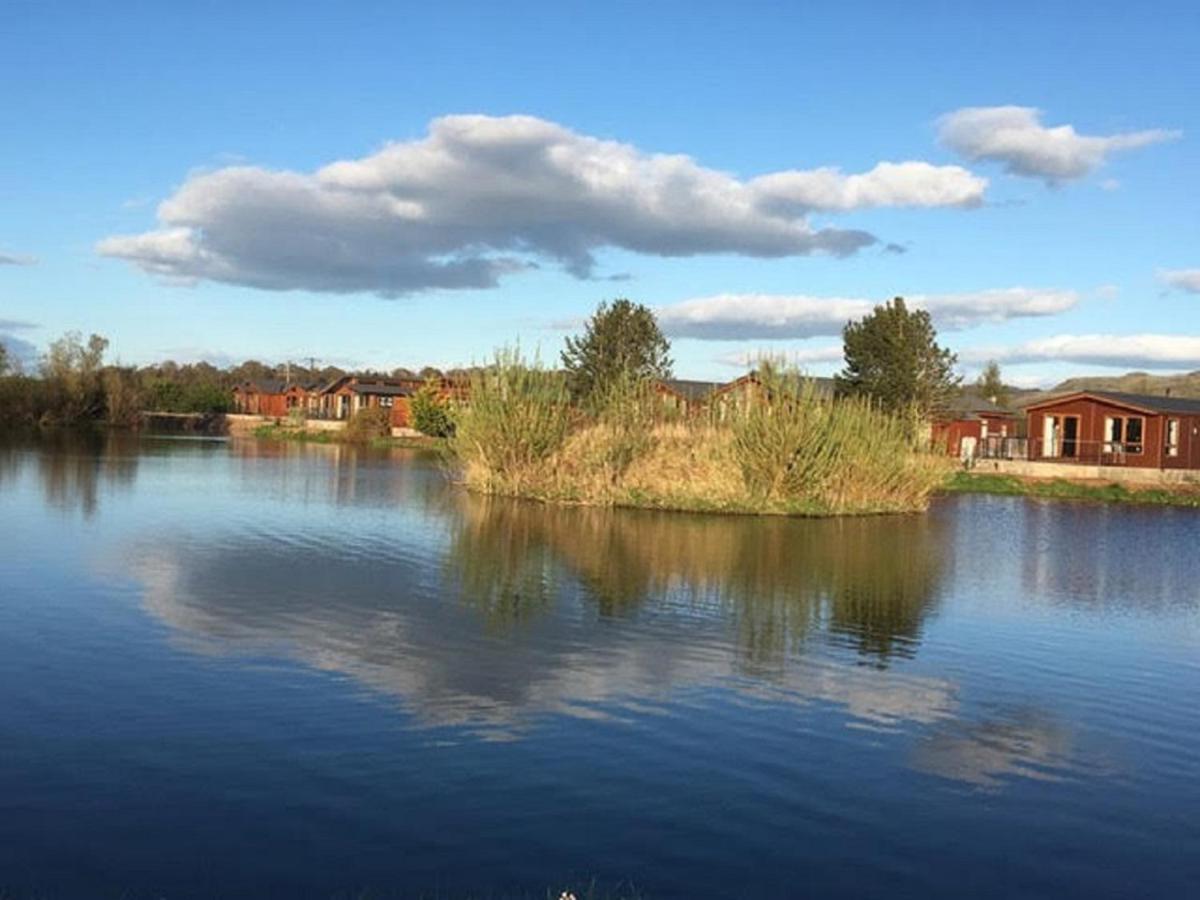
(1070, 438)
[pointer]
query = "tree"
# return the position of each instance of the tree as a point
(622, 339)
(71, 370)
(3, 360)
(990, 385)
(430, 412)
(893, 357)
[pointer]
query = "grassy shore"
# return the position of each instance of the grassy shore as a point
(778, 449)
(1063, 489)
(285, 433)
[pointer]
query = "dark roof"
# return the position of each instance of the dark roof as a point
(264, 386)
(1151, 402)
(973, 405)
(383, 389)
(691, 391)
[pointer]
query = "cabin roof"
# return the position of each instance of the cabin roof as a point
(383, 389)
(968, 405)
(1150, 403)
(690, 390)
(262, 386)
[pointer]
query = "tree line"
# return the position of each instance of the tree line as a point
(74, 384)
(892, 357)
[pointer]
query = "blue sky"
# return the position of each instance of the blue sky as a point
(347, 181)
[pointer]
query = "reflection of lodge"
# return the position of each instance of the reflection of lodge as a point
(336, 472)
(1091, 555)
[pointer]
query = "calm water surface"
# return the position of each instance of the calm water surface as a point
(235, 669)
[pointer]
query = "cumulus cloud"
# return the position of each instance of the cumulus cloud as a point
(888, 184)
(1016, 137)
(16, 259)
(1124, 351)
(483, 196)
(1182, 279)
(727, 317)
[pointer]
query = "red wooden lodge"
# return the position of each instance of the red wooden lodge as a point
(975, 427)
(1110, 428)
(260, 398)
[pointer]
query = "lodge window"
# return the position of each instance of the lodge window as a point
(1172, 441)
(385, 401)
(1123, 434)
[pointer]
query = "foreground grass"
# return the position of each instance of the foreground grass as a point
(778, 449)
(1062, 489)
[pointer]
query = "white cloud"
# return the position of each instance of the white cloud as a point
(1015, 136)
(1123, 351)
(888, 184)
(482, 196)
(16, 259)
(779, 317)
(1183, 279)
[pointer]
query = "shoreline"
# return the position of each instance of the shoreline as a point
(960, 482)
(1071, 490)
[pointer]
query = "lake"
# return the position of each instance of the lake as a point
(243, 669)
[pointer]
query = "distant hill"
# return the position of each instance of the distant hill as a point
(1187, 385)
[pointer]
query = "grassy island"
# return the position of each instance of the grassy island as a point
(775, 448)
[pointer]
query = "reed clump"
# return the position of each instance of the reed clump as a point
(775, 446)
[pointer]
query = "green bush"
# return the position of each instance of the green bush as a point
(431, 412)
(369, 424)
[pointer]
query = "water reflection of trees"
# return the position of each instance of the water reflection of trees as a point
(73, 466)
(866, 583)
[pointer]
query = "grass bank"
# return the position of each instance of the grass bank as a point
(286, 433)
(1063, 489)
(775, 449)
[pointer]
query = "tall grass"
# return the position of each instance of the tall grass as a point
(518, 416)
(844, 455)
(777, 447)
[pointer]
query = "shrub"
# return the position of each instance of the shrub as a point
(431, 412)
(369, 424)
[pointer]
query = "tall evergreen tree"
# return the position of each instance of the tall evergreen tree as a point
(621, 339)
(990, 385)
(892, 356)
